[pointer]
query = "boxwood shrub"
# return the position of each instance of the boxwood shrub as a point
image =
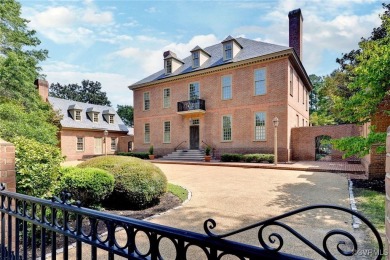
(138, 183)
(137, 155)
(89, 185)
(257, 158)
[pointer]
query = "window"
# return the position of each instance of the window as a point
(77, 115)
(113, 144)
(303, 94)
(298, 88)
(110, 119)
(168, 66)
(226, 87)
(260, 126)
(167, 97)
(303, 122)
(194, 91)
(291, 81)
(260, 82)
(167, 132)
(146, 101)
(228, 50)
(129, 146)
(307, 101)
(226, 128)
(195, 59)
(195, 121)
(95, 117)
(147, 133)
(80, 143)
(297, 121)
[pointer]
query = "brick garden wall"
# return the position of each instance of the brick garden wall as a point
(7, 165)
(303, 140)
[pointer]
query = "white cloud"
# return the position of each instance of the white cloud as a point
(53, 17)
(151, 10)
(98, 18)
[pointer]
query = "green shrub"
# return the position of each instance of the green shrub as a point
(37, 167)
(231, 157)
(89, 185)
(257, 158)
(133, 154)
(138, 183)
(151, 150)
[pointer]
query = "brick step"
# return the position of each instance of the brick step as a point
(185, 155)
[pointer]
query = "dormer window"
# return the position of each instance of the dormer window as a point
(93, 114)
(168, 66)
(231, 47)
(109, 115)
(195, 59)
(77, 116)
(171, 62)
(111, 119)
(228, 50)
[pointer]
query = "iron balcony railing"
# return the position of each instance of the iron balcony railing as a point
(189, 105)
(31, 227)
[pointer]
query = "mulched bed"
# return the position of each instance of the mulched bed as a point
(376, 185)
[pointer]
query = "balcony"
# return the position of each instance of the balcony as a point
(193, 106)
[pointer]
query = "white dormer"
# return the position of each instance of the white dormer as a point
(230, 48)
(171, 62)
(93, 114)
(109, 115)
(199, 56)
(75, 112)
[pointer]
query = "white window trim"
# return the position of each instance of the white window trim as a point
(231, 87)
(169, 98)
(231, 129)
(164, 141)
(109, 119)
(75, 115)
(193, 59)
(189, 89)
(77, 142)
(265, 126)
(116, 143)
(166, 66)
(143, 103)
(95, 115)
(231, 50)
(254, 81)
(146, 142)
(291, 73)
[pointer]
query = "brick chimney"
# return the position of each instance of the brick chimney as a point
(43, 88)
(295, 31)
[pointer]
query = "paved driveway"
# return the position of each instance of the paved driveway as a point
(236, 197)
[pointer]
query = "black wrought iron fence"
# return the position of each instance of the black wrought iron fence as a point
(193, 104)
(32, 228)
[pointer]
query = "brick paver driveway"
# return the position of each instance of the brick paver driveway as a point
(236, 197)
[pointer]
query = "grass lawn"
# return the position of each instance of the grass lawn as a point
(178, 191)
(372, 205)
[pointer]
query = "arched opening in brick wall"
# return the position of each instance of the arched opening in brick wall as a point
(323, 150)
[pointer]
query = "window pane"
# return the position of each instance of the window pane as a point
(228, 51)
(260, 82)
(226, 128)
(167, 99)
(113, 144)
(167, 132)
(146, 101)
(195, 58)
(80, 143)
(111, 119)
(226, 87)
(147, 133)
(194, 91)
(260, 126)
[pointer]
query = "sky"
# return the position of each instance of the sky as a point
(119, 42)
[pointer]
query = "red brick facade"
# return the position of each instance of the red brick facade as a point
(290, 108)
(303, 140)
(94, 143)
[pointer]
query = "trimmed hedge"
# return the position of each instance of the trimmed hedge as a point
(137, 155)
(138, 183)
(257, 157)
(89, 185)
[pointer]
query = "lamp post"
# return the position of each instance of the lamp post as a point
(105, 142)
(275, 121)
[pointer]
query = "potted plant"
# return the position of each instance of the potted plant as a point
(207, 157)
(151, 151)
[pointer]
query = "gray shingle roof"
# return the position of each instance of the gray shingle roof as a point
(62, 105)
(250, 49)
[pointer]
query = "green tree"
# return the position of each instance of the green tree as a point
(89, 92)
(22, 112)
(125, 112)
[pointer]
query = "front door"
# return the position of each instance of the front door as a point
(194, 137)
(98, 146)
